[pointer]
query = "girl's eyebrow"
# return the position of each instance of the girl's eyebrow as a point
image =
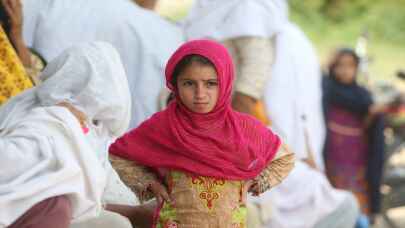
(187, 79)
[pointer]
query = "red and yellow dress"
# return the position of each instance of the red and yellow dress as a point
(203, 202)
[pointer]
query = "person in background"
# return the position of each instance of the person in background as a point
(143, 38)
(54, 143)
(354, 149)
(11, 21)
(247, 29)
(293, 99)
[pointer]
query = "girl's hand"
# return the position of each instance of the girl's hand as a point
(376, 109)
(160, 192)
(249, 186)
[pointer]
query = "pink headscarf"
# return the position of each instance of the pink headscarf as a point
(223, 143)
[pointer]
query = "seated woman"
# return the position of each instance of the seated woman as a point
(207, 155)
(54, 140)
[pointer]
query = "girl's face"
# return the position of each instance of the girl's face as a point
(346, 69)
(198, 87)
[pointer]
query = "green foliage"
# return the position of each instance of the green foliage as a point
(335, 23)
(384, 19)
(387, 21)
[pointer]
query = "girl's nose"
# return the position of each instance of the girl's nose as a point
(200, 91)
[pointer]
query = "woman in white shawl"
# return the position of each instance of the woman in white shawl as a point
(291, 89)
(55, 137)
(143, 39)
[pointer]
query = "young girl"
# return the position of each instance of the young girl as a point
(354, 146)
(207, 155)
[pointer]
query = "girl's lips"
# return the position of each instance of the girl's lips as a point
(200, 105)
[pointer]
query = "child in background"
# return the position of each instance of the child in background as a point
(354, 147)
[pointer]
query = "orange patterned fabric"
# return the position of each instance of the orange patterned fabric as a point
(208, 189)
(202, 202)
(13, 78)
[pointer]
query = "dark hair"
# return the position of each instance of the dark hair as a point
(187, 61)
(339, 54)
(4, 18)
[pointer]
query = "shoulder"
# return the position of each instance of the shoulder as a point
(250, 123)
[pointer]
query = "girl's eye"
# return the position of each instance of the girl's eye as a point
(212, 83)
(187, 83)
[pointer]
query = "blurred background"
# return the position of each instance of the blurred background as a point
(376, 29)
(334, 23)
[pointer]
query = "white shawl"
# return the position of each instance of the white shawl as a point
(143, 39)
(294, 91)
(43, 150)
(221, 20)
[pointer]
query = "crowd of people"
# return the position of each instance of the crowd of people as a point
(113, 116)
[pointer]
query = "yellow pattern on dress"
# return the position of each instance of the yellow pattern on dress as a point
(203, 202)
(13, 78)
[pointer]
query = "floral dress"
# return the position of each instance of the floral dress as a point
(203, 202)
(199, 201)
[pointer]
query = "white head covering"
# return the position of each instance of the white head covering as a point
(143, 39)
(221, 20)
(44, 152)
(97, 86)
(91, 78)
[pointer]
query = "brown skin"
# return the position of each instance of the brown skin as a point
(147, 4)
(14, 11)
(243, 103)
(346, 69)
(160, 192)
(139, 216)
(198, 88)
(80, 116)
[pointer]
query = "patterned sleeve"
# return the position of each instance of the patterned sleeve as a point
(253, 57)
(277, 170)
(136, 177)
